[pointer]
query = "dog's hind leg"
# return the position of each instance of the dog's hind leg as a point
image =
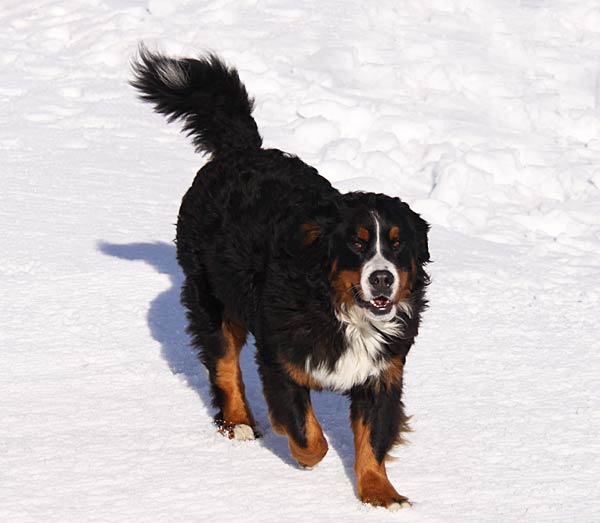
(219, 341)
(235, 417)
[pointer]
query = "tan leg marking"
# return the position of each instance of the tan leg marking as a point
(316, 448)
(229, 377)
(317, 444)
(372, 483)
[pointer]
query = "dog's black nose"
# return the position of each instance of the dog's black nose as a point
(381, 280)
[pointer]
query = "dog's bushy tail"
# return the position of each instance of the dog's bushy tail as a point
(205, 94)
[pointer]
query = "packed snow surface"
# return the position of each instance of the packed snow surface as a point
(483, 115)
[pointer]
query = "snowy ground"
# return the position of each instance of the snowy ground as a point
(485, 116)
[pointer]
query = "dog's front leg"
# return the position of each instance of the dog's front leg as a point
(292, 415)
(377, 418)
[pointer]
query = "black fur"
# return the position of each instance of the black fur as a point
(213, 103)
(262, 239)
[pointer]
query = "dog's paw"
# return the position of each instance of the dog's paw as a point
(242, 432)
(239, 431)
(385, 497)
(394, 505)
(399, 505)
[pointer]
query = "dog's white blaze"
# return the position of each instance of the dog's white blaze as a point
(173, 74)
(364, 342)
(377, 263)
(377, 235)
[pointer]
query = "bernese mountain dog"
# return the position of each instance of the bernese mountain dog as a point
(331, 285)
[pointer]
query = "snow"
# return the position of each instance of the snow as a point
(484, 116)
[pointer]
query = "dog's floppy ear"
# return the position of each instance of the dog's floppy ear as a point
(310, 232)
(421, 229)
(319, 224)
(301, 236)
(307, 235)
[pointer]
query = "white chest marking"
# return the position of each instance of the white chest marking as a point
(364, 344)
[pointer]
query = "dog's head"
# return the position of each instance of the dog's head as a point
(378, 250)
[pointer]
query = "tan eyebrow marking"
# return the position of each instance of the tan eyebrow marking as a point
(363, 234)
(394, 233)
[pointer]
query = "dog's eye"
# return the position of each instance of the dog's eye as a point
(397, 245)
(358, 245)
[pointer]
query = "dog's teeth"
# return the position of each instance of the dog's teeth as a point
(380, 304)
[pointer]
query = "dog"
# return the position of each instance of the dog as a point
(331, 285)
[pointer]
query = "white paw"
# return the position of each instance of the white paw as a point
(398, 506)
(243, 432)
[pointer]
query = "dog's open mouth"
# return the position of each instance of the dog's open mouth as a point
(380, 305)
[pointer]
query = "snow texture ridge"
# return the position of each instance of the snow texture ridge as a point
(484, 116)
